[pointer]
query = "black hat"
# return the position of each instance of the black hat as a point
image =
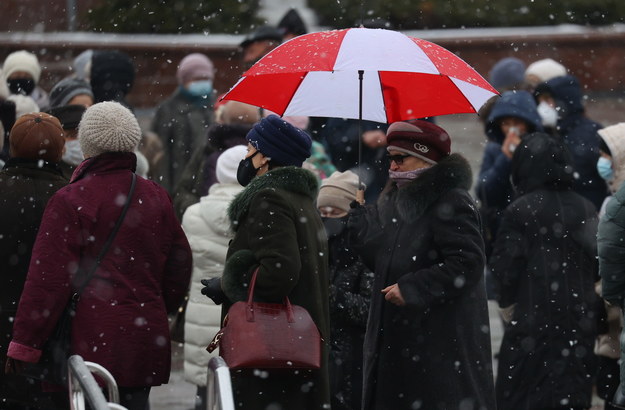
(292, 23)
(112, 73)
(260, 34)
(68, 115)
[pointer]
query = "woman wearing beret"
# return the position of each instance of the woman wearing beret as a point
(427, 344)
(278, 230)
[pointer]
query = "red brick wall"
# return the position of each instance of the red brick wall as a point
(598, 59)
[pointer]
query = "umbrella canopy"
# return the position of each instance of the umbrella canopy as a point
(403, 78)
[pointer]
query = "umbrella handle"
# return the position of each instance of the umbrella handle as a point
(360, 196)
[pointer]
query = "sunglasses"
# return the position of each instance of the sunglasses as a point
(398, 159)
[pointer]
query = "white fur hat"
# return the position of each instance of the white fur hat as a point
(228, 164)
(108, 127)
(544, 70)
(22, 61)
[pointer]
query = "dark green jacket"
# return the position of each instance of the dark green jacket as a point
(277, 227)
(181, 126)
(611, 249)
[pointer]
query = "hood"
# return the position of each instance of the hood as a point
(213, 208)
(541, 161)
(292, 179)
(566, 92)
(518, 104)
(614, 137)
(224, 136)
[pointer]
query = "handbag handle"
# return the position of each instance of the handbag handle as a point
(250, 305)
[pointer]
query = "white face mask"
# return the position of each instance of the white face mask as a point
(548, 114)
(73, 153)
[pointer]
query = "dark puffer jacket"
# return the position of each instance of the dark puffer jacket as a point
(350, 295)
(579, 134)
(545, 268)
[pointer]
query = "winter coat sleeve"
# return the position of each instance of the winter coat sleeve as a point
(459, 241)
(178, 267)
(55, 259)
(189, 189)
(508, 260)
(364, 230)
(611, 251)
(352, 306)
(273, 241)
(494, 180)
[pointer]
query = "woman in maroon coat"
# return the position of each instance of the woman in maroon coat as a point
(121, 317)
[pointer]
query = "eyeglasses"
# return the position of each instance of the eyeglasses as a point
(398, 159)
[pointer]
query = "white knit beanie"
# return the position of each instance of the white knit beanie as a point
(544, 70)
(228, 164)
(108, 127)
(22, 61)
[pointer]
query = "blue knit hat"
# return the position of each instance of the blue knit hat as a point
(277, 139)
(507, 73)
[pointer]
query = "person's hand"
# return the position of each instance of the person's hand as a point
(374, 138)
(512, 140)
(13, 366)
(212, 289)
(356, 216)
(393, 295)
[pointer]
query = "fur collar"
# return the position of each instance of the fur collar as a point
(292, 179)
(415, 198)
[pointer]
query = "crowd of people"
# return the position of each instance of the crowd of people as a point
(397, 284)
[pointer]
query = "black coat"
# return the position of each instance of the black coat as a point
(26, 187)
(434, 352)
(544, 263)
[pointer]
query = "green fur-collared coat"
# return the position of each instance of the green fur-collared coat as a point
(278, 228)
(434, 352)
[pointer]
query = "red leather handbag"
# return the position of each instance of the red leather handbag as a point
(268, 336)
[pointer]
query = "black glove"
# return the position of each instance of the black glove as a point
(212, 289)
(357, 216)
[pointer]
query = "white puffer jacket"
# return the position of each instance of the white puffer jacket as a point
(207, 227)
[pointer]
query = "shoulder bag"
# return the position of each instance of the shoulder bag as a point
(268, 336)
(52, 366)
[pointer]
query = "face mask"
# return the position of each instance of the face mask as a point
(604, 167)
(246, 171)
(334, 226)
(73, 153)
(548, 115)
(24, 86)
(403, 177)
(200, 88)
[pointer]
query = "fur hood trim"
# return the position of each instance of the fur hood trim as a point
(292, 179)
(416, 197)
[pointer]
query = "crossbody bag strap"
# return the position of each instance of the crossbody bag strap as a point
(109, 241)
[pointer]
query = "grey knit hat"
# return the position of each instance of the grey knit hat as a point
(108, 127)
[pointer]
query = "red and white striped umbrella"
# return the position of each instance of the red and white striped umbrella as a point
(403, 78)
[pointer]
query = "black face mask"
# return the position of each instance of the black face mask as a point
(246, 171)
(334, 226)
(24, 86)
